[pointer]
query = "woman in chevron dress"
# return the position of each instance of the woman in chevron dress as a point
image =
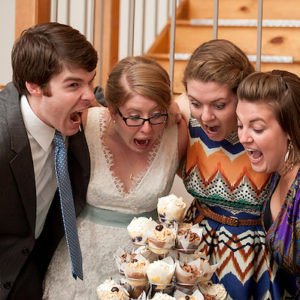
(228, 194)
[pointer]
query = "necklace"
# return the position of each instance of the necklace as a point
(131, 176)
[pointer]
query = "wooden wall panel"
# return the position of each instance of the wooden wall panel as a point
(110, 43)
(29, 13)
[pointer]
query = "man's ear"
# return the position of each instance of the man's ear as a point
(33, 89)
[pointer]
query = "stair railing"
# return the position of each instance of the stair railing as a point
(92, 21)
(133, 26)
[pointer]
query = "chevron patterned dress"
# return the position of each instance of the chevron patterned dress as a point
(220, 177)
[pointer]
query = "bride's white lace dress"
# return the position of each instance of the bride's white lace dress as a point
(98, 242)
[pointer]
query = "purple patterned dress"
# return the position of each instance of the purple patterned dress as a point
(283, 235)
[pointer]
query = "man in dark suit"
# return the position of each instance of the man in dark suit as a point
(53, 71)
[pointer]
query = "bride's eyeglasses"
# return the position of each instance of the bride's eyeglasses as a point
(156, 119)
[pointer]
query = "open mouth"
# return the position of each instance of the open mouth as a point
(254, 155)
(76, 117)
(142, 142)
(211, 129)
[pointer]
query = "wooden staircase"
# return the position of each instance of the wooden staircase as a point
(237, 23)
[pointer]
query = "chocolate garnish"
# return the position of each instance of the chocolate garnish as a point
(159, 227)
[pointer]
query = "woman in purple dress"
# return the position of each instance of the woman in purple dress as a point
(269, 128)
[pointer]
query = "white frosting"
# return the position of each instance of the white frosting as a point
(171, 207)
(104, 291)
(161, 296)
(138, 229)
(212, 289)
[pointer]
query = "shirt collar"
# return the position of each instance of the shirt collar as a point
(40, 131)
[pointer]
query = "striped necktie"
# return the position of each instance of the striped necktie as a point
(67, 204)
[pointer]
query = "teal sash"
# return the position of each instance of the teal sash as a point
(112, 218)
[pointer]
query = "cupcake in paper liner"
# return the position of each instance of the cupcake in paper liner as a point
(188, 257)
(206, 269)
(162, 296)
(161, 272)
(138, 229)
(171, 208)
(135, 292)
(136, 271)
(121, 256)
(213, 291)
(142, 296)
(161, 239)
(198, 254)
(147, 253)
(188, 274)
(197, 295)
(110, 290)
(188, 237)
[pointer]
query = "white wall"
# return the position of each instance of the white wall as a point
(7, 35)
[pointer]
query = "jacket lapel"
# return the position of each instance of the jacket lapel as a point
(21, 158)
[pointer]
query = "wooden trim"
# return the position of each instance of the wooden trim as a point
(110, 36)
(29, 13)
(182, 11)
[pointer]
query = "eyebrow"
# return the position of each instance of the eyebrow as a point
(78, 79)
(216, 100)
(257, 119)
(253, 120)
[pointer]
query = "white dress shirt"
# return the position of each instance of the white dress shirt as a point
(40, 137)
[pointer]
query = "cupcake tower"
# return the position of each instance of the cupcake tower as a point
(166, 264)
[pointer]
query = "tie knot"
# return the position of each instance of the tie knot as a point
(58, 139)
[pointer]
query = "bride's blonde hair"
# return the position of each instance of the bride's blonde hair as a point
(137, 75)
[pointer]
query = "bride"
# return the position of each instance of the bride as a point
(135, 152)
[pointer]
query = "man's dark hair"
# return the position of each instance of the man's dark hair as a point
(44, 50)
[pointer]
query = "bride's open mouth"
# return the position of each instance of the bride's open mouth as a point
(142, 142)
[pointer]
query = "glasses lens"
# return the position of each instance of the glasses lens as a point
(134, 121)
(154, 120)
(158, 119)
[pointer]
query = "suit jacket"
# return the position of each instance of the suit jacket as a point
(23, 259)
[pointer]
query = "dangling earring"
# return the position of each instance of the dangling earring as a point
(289, 157)
(289, 151)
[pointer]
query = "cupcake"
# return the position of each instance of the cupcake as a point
(135, 291)
(138, 229)
(121, 257)
(136, 271)
(162, 296)
(161, 239)
(188, 237)
(188, 274)
(171, 208)
(207, 269)
(197, 295)
(109, 290)
(160, 272)
(213, 291)
(147, 253)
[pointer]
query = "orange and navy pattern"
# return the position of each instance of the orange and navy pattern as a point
(219, 176)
